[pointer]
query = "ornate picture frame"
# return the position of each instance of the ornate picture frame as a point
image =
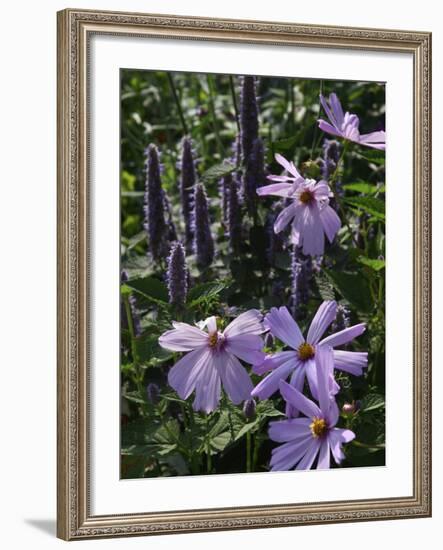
(74, 517)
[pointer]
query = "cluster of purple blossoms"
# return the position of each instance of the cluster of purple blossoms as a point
(177, 275)
(154, 206)
(187, 184)
(203, 241)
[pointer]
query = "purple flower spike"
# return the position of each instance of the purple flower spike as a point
(346, 125)
(309, 212)
(299, 362)
(154, 206)
(187, 183)
(234, 217)
(248, 117)
(254, 176)
(177, 275)
(224, 185)
(212, 358)
(315, 434)
(203, 241)
(301, 283)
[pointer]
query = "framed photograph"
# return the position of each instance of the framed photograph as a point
(243, 274)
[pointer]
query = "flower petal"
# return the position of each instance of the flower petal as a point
(184, 375)
(249, 322)
(297, 380)
(270, 384)
(328, 128)
(330, 221)
(336, 109)
(246, 347)
(344, 336)
(324, 362)
(183, 337)
(329, 113)
(324, 457)
(337, 437)
(376, 140)
(307, 461)
(288, 166)
(235, 379)
(273, 361)
(351, 361)
(289, 430)
(285, 217)
(276, 189)
(282, 325)
(287, 455)
(298, 400)
(207, 389)
(326, 313)
(312, 231)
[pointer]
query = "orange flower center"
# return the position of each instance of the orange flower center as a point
(213, 339)
(318, 427)
(306, 197)
(306, 351)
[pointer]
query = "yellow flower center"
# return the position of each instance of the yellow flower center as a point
(318, 427)
(306, 197)
(213, 339)
(306, 351)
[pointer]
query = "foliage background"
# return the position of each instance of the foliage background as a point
(162, 436)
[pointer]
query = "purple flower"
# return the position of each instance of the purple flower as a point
(331, 156)
(234, 217)
(187, 183)
(213, 358)
(154, 206)
(203, 241)
(299, 362)
(314, 434)
(346, 125)
(301, 283)
(254, 175)
(309, 210)
(224, 185)
(248, 116)
(177, 276)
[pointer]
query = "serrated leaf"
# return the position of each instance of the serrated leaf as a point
(371, 205)
(246, 428)
(372, 402)
(204, 291)
(361, 187)
(325, 288)
(151, 288)
(218, 171)
(353, 287)
(375, 156)
(375, 264)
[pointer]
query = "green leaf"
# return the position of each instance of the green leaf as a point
(375, 156)
(324, 286)
(246, 428)
(375, 264)
(285, 144)
(372, 402)
(371, 205)
(353, 287)
(204, 291)
(361, 187)
(151, 288)
(218, 171)
(147, 347)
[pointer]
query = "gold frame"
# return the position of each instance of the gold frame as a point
(74, 520)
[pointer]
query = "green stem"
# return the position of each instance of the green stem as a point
(208, 449)
(194, 458)
(213, 115)
(248, 452)
(255, 453)
(177, 102)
